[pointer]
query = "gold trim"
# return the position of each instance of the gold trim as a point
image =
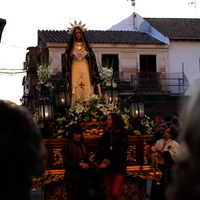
(139, 168)
(144, 172)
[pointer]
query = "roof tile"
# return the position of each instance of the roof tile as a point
(177, 28)
(104, 37)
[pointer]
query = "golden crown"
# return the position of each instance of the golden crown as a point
(75, 25)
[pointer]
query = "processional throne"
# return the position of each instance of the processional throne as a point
(138, 154)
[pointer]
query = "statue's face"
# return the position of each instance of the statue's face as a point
(78, 35)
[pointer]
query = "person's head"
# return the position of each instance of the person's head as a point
(158, 119)
(167, 119)
(115, 121)
(175, 123)
(170, 133)
(157, 128)
(176, 116)
(75, 133)
(22, 154)
(163, 127)
(77, 34)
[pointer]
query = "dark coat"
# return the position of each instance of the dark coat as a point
(73, 171)
(118, 155)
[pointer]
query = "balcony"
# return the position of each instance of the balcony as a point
(152, 83)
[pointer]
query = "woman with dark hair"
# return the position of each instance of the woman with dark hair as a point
(111, 155)
(76, 164)
(22, 154)
(167, 149)
(79, 65)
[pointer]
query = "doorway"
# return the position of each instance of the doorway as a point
(148, 76)
(147, 63)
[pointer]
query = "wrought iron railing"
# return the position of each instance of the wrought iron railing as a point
(173, 83)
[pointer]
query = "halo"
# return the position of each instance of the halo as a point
(75, 25)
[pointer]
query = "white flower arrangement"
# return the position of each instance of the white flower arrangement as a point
(148, 123)
(93, 107)
(43, 72)
(84, 110)
(106, 74)
(143, 126)
(44, 75)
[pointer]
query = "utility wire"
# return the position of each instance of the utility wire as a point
(4, 71)
(10, 69)
(13, 46)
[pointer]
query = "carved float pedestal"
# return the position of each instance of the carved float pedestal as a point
(138, 169)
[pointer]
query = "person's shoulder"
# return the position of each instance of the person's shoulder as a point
(66, 143)
(104, 134)
(175, 143)
(160, 141)
(123, 135)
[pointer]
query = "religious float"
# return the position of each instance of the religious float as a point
(91, 113)
(88, 101)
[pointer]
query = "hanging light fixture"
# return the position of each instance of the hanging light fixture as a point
(45, 108)
(62, 94)
(112, 95)
(136, 107)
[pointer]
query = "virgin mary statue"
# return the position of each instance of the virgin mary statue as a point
(79, 64)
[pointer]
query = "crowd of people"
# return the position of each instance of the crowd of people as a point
(162, 123)
(164, 152)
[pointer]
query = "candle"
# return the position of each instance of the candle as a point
(106, 97)
(46, 114)
(99, 89)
